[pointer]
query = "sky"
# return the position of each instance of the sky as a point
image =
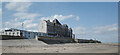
(60, 0)
(89, 20)
(0, 15)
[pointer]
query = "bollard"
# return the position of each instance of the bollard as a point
(36, 37)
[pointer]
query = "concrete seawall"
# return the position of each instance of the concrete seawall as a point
(55, 40)
(6, 37)
(87, 41)
(60, 40)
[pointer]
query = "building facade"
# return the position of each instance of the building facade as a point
(46, 28)
(55, 29)
(22, 33)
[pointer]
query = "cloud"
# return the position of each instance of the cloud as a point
(106, 29)
(60, 0)
(59, 17)
(0, 11)
(32, 25)
(79, 30)
(0, 18)
(77, 18)
(107, 32)
(16, 1)
(28, 24)
(22, 15)
(100, 32)
(3, 29)
(18, 6)
(13, 24)
(27, 19)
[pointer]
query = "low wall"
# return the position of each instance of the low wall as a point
(87, 41)
(55, 40)
(6, 37)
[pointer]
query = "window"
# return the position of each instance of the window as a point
(13, 33)
(17, 32)
(9, 33)
(42, 25)
(40, 34)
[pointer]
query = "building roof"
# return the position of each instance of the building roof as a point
(65, 25)
(56, 21)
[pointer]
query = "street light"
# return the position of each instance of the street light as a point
(22, 25)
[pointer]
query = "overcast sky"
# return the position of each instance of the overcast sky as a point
(89, 20)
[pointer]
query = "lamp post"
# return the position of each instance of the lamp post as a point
(22, 25)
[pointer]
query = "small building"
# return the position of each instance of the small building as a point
(22, 33)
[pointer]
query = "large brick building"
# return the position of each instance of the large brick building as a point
(55, 28)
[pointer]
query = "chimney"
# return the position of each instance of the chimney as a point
(48, 20)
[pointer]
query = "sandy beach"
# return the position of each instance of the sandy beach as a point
(34, 46)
